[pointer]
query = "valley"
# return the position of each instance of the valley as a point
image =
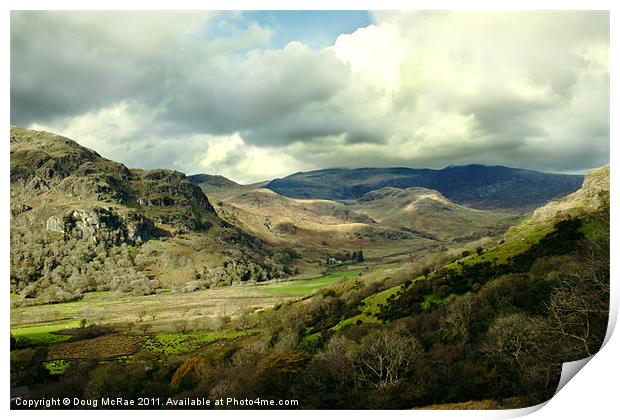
(147, 281)
(164, 312)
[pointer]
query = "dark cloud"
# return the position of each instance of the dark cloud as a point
(263, 88)
(413, 89)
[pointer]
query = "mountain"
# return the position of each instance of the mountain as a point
(390, 218)
(593, 194)
(307, 223)
(212, 180)
(80, 222)
(45, 165)
(483, 187)
(487, 326)
(219, 187)
(428, 211)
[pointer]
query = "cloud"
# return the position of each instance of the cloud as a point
(521, 89)
(233, 94)
(205, 92)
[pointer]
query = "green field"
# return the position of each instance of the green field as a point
(43, 334)
(57, 367)
(36, 325)
(307, 287)
(175, 343)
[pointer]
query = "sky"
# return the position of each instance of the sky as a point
(263, 94)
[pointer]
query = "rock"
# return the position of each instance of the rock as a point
(55, 224)
(101, 225)
(591, 195)
(43, 161)
(17, 209)
(37, 183)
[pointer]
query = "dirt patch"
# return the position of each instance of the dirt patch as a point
(97, 348)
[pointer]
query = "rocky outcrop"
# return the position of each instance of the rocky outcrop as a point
(165, 187)
(101, 226)
(17, 209)
(44, 162)
(55, 224)
(169, 198)
(593, 194)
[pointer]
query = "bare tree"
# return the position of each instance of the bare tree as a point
(337, 358)
(511, 339)
(457, 320)
(579, 308)
(516, 343)
(385, 355)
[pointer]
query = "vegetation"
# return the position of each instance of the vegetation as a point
(310, 286)
(175, 343)
(123, 299)
(499, 331)
(81, 223)
(41, 334)
(476, 185)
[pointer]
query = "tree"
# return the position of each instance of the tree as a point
(579, 308)
(385, 355)
(510, 340)
(458, 318)
(142, 315)
(519, 349)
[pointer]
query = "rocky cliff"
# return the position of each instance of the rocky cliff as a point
(80, 222)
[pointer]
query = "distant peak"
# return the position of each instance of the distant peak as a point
(213, 180)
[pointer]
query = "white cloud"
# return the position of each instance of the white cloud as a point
(527, 89)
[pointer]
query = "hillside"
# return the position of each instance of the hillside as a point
(212, 180)
(217, 187)
(426, 210)
(494, 324)
(592, 195)
(307, 223)
(485, 324)
(390, 218)
(488, 327)
(484, 187)
(80, 222)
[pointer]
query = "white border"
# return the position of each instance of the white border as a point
(593, 394)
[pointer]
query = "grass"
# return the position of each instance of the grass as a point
(57, 367)
(520, 242)
(41, 335)
(370, 308)
(306, 287)
(592, 228)
(175, 343)
(501, 253)
(108, 307)
(38, 325)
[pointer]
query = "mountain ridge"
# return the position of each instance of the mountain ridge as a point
(478, 186)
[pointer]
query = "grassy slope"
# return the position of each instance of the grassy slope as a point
(521, 240)
(176, 343)
(40, 335)
(428, 211)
